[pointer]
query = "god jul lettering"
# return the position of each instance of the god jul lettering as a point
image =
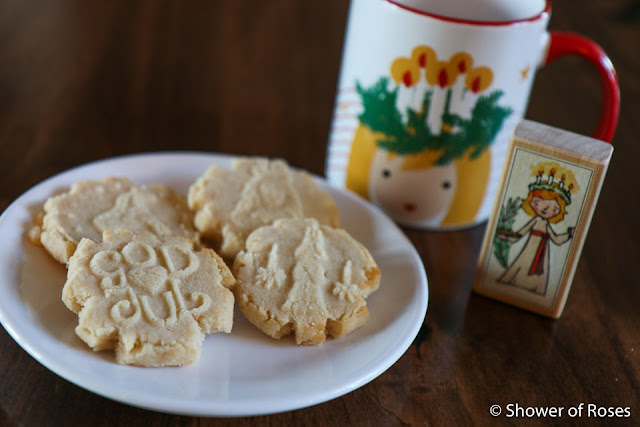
(143, 274)
(396, 136)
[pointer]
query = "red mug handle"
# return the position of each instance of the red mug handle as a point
(564, 43)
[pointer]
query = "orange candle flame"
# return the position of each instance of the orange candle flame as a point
(405, 71)
(424, 56)
(443, 74)
(462, 61)
(478, 79)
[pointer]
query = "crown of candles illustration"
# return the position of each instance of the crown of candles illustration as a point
(552, 184)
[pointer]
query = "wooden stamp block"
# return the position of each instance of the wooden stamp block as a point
(545, 202)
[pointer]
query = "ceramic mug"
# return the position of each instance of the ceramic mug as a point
(428, 95)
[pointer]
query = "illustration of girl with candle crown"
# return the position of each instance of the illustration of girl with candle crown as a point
(546, 202)
(422, 148)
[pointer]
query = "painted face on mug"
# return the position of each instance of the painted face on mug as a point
(545, 208)
(417, 197)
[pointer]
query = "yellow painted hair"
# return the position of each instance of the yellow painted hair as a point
(422, 160)
(545, 195)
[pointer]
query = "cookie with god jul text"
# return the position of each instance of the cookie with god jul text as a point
(151, 299)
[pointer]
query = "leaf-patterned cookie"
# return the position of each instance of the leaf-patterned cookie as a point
(298, 276)
(230, 204)
(91, 207)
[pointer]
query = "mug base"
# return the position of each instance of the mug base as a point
(442, 228)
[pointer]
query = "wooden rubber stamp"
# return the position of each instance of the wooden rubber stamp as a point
(546, 199)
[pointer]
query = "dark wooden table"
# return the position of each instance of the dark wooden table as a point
(81, 81)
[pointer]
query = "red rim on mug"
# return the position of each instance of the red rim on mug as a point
(541, 15)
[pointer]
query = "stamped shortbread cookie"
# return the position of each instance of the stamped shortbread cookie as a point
(230, 204)
(297, 276)
(90, 207)
(150, 299)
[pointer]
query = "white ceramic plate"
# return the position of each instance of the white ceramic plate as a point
(239, 374)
